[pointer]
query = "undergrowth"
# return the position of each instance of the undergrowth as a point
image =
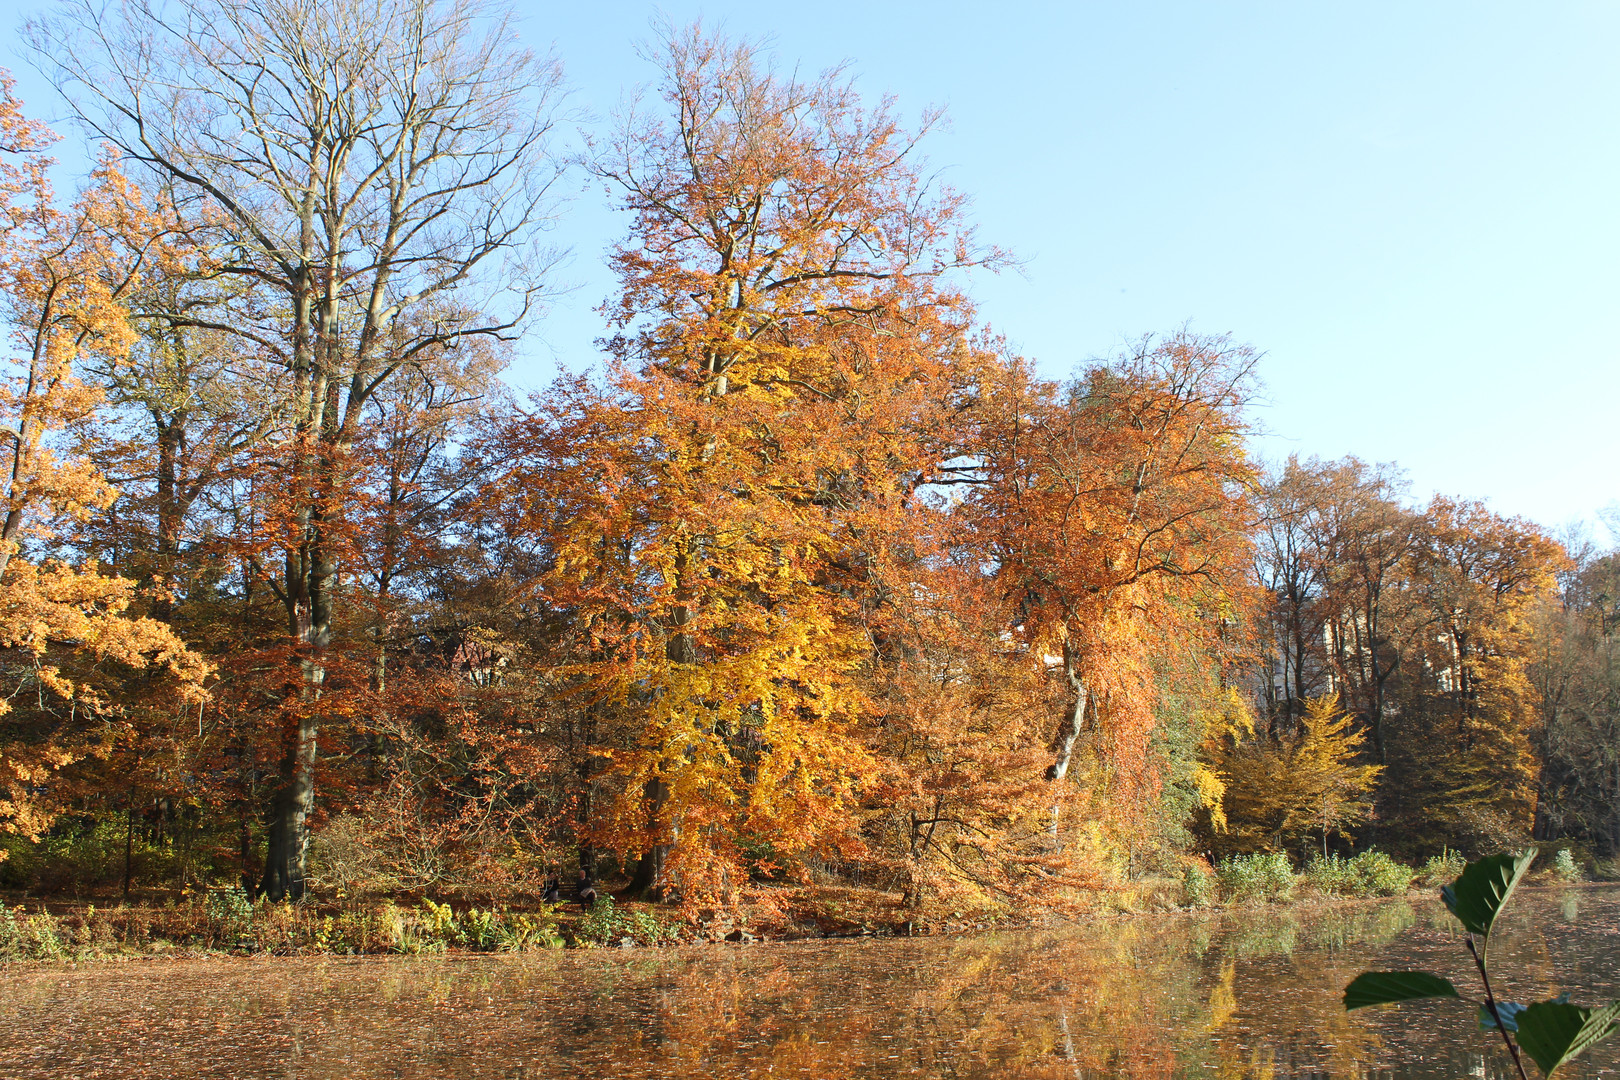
(224, 920)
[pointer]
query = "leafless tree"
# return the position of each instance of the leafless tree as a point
(384, 171)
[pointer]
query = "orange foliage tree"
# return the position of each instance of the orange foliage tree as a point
(785, 378)
(1113, 511)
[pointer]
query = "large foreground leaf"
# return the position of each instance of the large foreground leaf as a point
(1484, 887)
(1384, 987)
(1552, 1032)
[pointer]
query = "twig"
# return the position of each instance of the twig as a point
(1490, 1003)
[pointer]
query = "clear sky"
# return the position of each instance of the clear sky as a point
(1411, 208)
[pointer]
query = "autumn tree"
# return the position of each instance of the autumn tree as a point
(1461, 767)
(1112, 510)
(1280, 790)
(1574, 669)
(1363, 540)
(65, 629)
(187, 406)
(381, 170)
(788, 357)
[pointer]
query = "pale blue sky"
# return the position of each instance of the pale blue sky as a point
(1410, 207)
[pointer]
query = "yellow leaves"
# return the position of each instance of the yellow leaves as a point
(1211, 789)
(1308, 782)
(61, 282)
(1229, 715)
(55, 604)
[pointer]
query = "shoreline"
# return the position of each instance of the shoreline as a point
(306, 933)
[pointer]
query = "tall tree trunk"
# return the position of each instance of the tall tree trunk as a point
(651, 880)
(1074, 720)
(311, 575)
(288, 836)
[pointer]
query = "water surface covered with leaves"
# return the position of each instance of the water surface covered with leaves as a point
(1242, 993)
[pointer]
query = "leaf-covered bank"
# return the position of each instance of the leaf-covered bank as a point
(224, 921)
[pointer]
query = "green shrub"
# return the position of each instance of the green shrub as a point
(32, 937)
(11, 935)
(1197, 886)
(1371, 873)
(522, 932)
(1376, 874)
(1443, 868)
(439, 926)
(604, 924)
(1331, 876)
(481, 929)
(230, 916)
(1564, 866)
(1256, 877)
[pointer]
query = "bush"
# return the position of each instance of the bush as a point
(1331, 876)
(1564, 866)
(1197, 886)
(31, 937)
(604, 924)
(1371, 873)
(523, 932)
(1377, 874)
(436, 927)
(1442, 869)
(229, 914)
(1257, 877)
(347, 857)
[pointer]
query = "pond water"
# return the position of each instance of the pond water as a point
(1250, 993)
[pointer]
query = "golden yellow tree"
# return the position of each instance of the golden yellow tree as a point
(1313, 780)
(60, 285)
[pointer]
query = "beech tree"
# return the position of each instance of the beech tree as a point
(781, 387)
(1114, 510)
(382, 170)
(1281, 790)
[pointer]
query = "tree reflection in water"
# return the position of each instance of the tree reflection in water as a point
(1242, 994)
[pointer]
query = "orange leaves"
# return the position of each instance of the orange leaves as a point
(720, 513)
(1115, 509)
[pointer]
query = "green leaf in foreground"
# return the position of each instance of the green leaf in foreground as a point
(1552, 1032)
(1384, 987)
(1484, 887)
